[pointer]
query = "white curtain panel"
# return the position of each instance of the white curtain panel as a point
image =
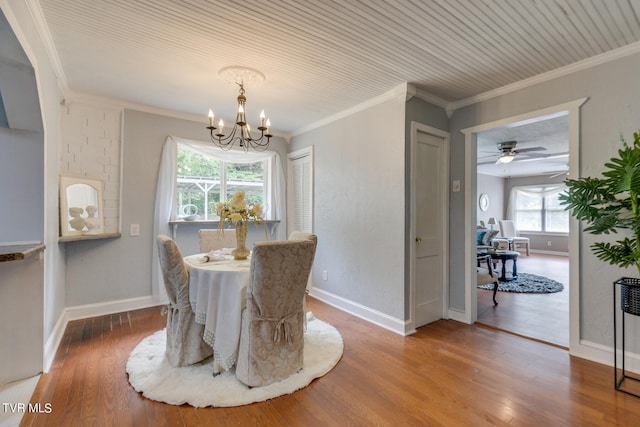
(163, 212)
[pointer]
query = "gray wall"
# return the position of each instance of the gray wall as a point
(22, 175)
(612, 108)
(359, 204)
(492, 186)
(120, 268)
(21, 144)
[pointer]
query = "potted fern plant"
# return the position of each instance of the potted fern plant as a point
(611, 204)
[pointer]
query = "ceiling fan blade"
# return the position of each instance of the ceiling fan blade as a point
(533, 155)
(525, 150)
(558, 174)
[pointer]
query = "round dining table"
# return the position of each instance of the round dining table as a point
(217, 291)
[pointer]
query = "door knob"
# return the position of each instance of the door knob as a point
(418, 239)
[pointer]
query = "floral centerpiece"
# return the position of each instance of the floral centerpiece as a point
(235, 211)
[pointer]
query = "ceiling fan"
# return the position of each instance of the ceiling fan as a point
(558, 174)
(508, 151)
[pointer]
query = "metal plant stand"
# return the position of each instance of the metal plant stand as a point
(629, 304)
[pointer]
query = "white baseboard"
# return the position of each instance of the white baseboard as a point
(87, 311)
(604, 355)
(366, 313)
(541, 251)
(110, 307)
(53, 342)
(458, 315)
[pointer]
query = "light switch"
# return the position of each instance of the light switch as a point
(134, 230)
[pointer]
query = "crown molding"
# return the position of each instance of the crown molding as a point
(585, 64)
(401, 91)
(47, 41)
(435, 100)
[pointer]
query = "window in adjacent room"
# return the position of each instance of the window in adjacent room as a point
(538, 209)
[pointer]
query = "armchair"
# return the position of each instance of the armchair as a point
(508, 231)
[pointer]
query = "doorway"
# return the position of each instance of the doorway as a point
(572, 111)
(525, 189)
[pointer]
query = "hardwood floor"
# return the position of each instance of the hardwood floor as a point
(448, 373)
(543, 317)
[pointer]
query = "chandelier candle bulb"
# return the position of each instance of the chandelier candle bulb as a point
(210, 118)
(262, 118)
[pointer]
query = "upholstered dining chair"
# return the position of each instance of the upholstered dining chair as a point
(272, 331)
(211, 240)
(487, 275)
(185, 345)
(508, 231)
(303, 235)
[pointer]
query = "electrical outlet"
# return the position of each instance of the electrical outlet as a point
(548, 242)
(134, 230)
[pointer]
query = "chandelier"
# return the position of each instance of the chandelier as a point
(241, 131)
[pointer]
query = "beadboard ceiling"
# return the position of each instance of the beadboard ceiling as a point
(321, 57)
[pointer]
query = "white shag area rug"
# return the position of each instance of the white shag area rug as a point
(150, 372)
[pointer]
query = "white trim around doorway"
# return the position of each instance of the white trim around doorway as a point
(572, 109)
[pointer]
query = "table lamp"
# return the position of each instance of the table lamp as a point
(492, 222)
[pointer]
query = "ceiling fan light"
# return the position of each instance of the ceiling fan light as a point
(506, 158)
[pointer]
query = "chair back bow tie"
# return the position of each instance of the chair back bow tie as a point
(173, 308)
(282, 328)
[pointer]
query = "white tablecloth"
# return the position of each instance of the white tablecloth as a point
(217, 291)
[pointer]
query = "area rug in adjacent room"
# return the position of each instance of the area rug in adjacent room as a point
(528, 283)
(150, 372)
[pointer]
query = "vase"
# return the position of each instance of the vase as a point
(241, 252)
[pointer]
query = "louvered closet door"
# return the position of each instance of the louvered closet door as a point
(300, 191)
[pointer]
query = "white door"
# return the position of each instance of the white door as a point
(430, 222)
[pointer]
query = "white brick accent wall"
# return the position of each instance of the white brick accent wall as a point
(91, 148)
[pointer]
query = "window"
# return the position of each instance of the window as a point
(203, 181)
(539, 209)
